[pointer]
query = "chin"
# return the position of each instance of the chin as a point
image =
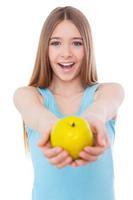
(67, 79)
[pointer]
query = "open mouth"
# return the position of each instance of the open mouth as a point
(66, 65)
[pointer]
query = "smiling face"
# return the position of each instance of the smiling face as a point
(66, 51)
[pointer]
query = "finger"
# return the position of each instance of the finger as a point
(73, 164)
(66, 162)
(100, 135)
(51, 152)
(106, 140)
(95, 151)
(46, 146)
(101, 140)
(59, 158)
(87, 157)
(43, 140)
(81, 162)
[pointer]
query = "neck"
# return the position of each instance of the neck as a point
(66, 88)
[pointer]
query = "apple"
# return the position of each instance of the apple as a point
(72, 134)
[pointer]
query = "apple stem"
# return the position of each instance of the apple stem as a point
(73, 124)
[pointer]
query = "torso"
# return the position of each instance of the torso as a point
(68, 105)
(54, 178)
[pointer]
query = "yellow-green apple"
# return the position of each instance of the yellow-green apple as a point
(72, 134)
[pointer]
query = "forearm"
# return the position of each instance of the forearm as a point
(34, 114)
(107, 101)
(39, 119)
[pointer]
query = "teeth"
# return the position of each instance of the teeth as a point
(66, 64)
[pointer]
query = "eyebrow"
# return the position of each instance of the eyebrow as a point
(59, 38)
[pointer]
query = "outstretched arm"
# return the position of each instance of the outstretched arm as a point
(107, 101)
(30, 105)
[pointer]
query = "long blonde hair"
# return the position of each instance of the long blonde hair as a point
(42, 72)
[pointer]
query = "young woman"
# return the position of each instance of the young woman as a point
(64, 82)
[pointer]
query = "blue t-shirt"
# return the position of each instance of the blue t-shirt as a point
(94, 181)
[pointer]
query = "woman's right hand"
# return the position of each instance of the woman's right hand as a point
(55, 155)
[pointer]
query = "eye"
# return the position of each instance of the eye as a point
(55, 43)
(77, 43)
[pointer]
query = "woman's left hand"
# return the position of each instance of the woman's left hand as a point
(93, 153)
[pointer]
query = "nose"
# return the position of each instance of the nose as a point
(66, 51)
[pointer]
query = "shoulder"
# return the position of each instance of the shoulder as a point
(109, 87)
(111, 84)
(29, 92)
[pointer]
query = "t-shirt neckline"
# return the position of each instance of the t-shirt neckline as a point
(57, 108)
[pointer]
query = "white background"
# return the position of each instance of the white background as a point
(20, 26)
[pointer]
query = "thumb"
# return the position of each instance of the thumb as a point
(103, 140)
(44, 139)
(101, 136)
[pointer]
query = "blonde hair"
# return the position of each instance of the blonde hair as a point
(42, 72)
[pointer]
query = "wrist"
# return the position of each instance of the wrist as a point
(96, 111)
(46, 124)
(53, 121)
